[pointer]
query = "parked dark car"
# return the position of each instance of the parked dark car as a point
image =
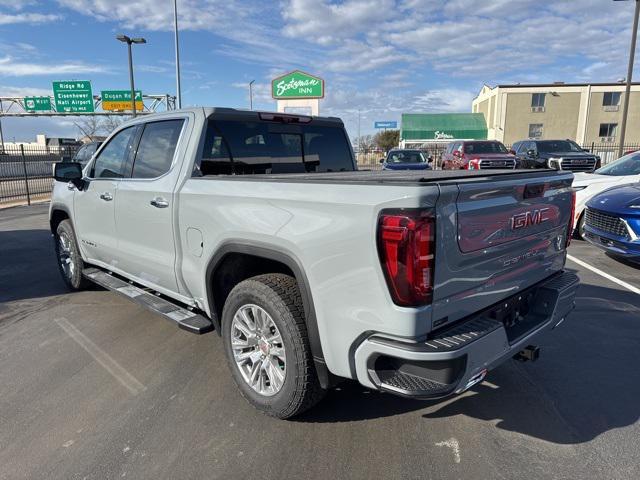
(556, 154)
(84, 154)
(403, 159)
(477, 155)
(612, 221)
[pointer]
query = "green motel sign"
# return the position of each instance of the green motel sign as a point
(73, 96)
(297, 84)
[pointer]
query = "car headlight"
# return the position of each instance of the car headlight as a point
(555, 163)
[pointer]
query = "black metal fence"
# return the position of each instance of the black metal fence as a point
(26, 171)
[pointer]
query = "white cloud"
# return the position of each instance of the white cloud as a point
(14, 91)
(30, 18)
(326, 23)
(443, 100)
(10, 67)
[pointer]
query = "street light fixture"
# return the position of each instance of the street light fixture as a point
(625, 108)
(129, 41)
(251, 94)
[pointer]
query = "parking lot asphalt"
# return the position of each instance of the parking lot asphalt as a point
(93, 386)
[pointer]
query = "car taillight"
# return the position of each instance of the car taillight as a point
(406, 249)
(573, 213)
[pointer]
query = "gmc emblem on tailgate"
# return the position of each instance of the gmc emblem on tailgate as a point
(526, 219)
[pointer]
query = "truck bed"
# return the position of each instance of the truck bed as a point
(389, 177)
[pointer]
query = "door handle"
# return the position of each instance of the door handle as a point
(159, 202)
(106, 196)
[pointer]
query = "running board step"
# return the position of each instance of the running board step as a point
(185, 318)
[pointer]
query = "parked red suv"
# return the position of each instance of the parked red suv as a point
(477, 155)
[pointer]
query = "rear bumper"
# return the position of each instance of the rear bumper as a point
(452, 360)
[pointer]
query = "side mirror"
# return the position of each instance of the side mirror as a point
(512, 152)
(456, 153)
(429, 159)
(586, 150)
(382, 160)
(68, 172)
(531, 153)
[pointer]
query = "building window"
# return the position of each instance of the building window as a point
(608, 131)
(535, 130)
(611, 101)
(537, 102)
(537, 99)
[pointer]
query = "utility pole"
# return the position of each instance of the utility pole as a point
(251, 94)
(627, 92)
(175, 27)
(359, 138)
(1, 133)
(129, 42)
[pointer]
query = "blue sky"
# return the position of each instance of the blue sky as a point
(383, 57)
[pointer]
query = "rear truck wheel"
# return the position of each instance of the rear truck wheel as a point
(267, 347)
(69, 259)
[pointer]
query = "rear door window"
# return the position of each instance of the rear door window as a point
(157, 146)
(251, 147)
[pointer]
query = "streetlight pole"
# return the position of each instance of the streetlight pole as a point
(175, 25)
(129, 42)
(251, 94)
(627, 91)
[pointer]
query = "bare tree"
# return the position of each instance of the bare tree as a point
(111, 122)
(88, 125)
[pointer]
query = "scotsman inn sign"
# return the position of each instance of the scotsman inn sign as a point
(297, 84)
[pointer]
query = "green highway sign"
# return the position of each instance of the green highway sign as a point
(37, 104)
(297, 84)
(120, 100)
(73, 96)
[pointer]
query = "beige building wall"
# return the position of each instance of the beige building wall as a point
(598, 115)
(570, 111)
(559, 118)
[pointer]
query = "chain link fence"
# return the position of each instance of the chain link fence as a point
(26, 171)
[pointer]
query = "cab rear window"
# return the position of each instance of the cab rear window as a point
(258, 147)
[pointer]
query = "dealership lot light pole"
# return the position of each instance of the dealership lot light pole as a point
(627, 92)
(251, 94)
(130, 41)
(175, 31)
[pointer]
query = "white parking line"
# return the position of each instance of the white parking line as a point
(127, 380)
(605, 275)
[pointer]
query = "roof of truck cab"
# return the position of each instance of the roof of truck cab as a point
(232, 113)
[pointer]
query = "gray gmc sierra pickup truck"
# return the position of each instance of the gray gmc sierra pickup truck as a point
(260, 227)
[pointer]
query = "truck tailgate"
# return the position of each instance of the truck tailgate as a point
(510, 233)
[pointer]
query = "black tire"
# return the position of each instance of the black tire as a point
(277, 295)
(579, 230)
(72, 276)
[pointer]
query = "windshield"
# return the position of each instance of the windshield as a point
(484, 147)
(406, 157)
(550, 146)
(627, 165)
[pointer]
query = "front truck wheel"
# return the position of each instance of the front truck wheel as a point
(267, 347)
(68, 255)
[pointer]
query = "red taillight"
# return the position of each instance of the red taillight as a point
(406, 249)
(573, 213)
